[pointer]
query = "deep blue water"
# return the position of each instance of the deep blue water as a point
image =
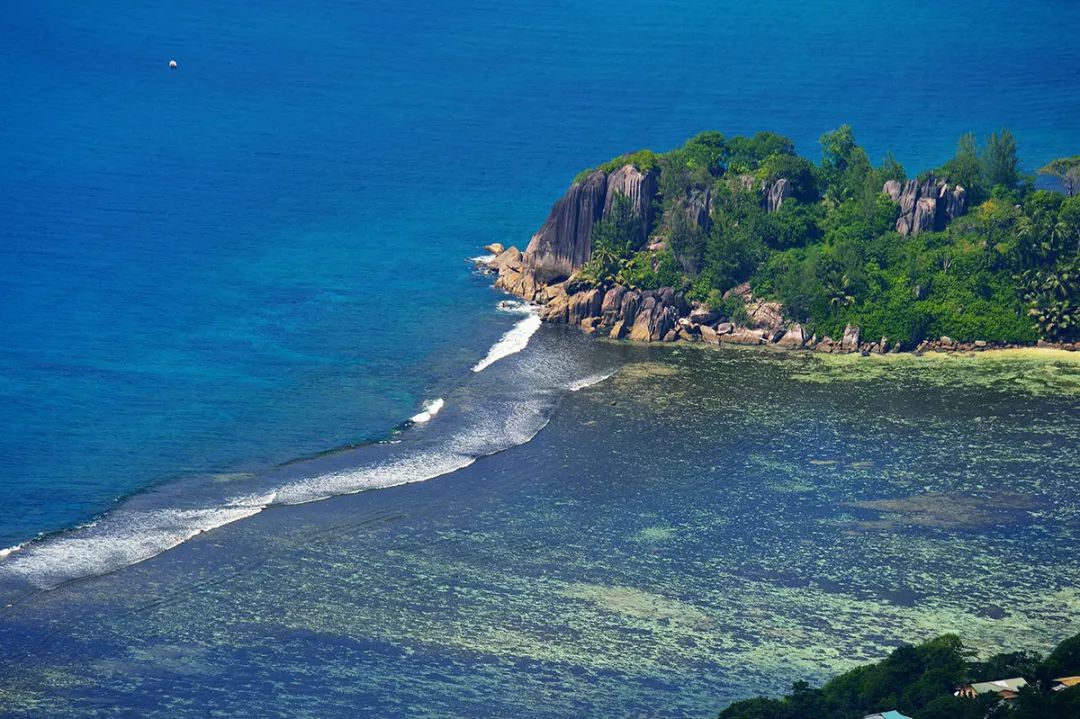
(260, 255)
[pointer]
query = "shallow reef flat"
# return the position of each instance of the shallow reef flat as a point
(700, 527)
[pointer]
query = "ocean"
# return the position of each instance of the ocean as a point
(227, 287)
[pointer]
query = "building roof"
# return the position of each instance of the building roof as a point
(887, 715)
(1066, 682)
(1000, 685)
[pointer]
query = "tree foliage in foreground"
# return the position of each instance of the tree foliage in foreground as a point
(919, 681)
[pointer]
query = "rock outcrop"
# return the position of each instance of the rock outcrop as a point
(776, 194)
(698, 208)
(793, 338)
(514, 277)
(850, 343)
(765, 315)
(643, 316)
(772, 194)
(926, 206)
(638, 187)
(744, 336)
(564, 242)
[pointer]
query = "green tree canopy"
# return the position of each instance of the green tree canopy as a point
(1000, 160)
(966, 169)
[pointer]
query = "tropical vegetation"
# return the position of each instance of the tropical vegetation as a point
(1007, 270)
(920, 682)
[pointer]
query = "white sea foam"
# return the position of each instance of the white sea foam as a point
(122, 539)
(143, 528)
(589, 381)
(514, 340)
(429, 410)
(417, 467)
(11, 550)
(515, 307)
(482, 259)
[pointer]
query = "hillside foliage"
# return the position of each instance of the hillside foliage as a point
(1008, 270)
(919, 681)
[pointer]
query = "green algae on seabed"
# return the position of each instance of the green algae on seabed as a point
(948, 510)
(639, 604)
(1035, 371)
(655, 534)
(693, 523)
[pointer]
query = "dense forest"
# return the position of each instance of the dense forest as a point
(919, 682)
(1006, 270)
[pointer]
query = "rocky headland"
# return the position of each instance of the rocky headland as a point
(549, 272)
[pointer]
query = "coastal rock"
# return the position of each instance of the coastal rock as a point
(793, 338)
(618, 330)
(508, 259)
(704, 316)
(556, 309)
(584, 305)
(744, 336)
(655, 318)
(675, 300)
(724, 328)
(709, 334)
(644, 324)
(549, 292)
(850, 343)
(495, 248)
(611, 307)
(631, 301)
(686, 335)
(776, 194)
(766, 315)
(563, 243)
(827, 344)
(519, 283)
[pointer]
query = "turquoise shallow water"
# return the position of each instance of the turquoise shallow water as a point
(258, 256)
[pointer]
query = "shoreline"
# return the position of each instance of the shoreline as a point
(665, 316)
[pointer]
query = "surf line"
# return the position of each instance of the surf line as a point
(513, 340)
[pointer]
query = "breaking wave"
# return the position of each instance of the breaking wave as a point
(515, 340)
(580, 384)
(488, 413)
(120, 539)
(429, 410)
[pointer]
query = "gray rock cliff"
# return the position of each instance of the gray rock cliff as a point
(564, 242)
(926, 206)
